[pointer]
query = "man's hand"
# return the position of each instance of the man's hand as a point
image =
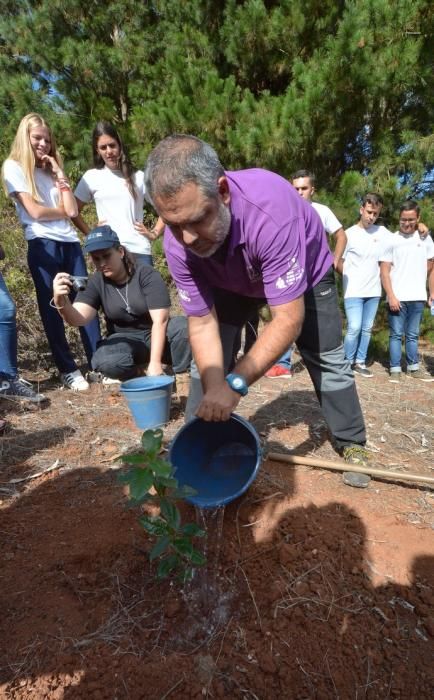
(218, 403)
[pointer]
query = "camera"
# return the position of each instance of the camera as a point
(78, 283)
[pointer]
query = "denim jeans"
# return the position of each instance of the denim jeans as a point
(285, 360)
(360, 313)
(46, 258)
(405, 322)
(8, 332)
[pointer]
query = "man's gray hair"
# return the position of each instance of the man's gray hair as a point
(177, 160)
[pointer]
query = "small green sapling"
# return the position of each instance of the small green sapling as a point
(150, 479)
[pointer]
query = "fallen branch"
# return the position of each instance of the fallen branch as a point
(35, 476)
(345, 467)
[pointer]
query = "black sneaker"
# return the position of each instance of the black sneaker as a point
(361, 370)
(20, 389)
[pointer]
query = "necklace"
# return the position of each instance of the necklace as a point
(124, 298)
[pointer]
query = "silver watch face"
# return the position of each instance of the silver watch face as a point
(238, 383)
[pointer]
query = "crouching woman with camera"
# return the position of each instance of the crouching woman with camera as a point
(135, 302)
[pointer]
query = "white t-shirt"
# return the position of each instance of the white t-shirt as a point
(114, 204)
(329, 221)
(57, 230)
(408, 255)
(361, 269)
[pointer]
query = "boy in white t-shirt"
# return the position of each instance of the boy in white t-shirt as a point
(405, 264)
(361, 281)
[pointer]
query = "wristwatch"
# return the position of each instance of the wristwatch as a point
(237, 383)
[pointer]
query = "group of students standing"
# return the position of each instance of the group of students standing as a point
(369, 257)
(133, 296)
(127, 288)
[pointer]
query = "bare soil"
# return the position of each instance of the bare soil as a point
(325, 591)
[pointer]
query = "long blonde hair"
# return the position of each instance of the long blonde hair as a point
(22, 152)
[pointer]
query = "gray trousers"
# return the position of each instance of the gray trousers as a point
(118, 355)
(319, 344)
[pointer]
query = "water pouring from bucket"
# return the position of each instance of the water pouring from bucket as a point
(219, 461)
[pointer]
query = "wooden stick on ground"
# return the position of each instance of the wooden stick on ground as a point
(344, 467)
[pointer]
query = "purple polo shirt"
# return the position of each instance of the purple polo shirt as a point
(277, 248)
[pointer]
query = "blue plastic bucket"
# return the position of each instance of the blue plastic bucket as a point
(149, 400)
(219, 460)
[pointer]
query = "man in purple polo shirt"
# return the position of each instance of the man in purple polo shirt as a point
(234, 240)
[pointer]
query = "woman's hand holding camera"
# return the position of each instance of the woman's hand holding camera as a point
(61, 288)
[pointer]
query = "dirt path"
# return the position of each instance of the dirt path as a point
(325, 591)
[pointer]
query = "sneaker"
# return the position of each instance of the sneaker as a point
(20, 389)
(108, 381)
(277, 371)
(362, 370)
(357, 455)
(420, 374)
(395, 377)
(74, 381)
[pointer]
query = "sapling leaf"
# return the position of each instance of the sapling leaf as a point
(151, 441)
(134, 502)
(168, 482)
(171, 513)
(167, 565)
(160, 547)
(192, 530)
(153, 526)
(183, 546)
(160, 467)
(140, 482)
(137, 458)
(197, 558)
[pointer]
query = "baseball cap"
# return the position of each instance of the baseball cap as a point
(100, 238)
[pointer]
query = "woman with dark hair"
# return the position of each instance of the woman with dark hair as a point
(135, 302)
(118, 190)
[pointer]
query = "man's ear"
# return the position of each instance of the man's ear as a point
(223, 187)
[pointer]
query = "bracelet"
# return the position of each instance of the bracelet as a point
(64, 185)
(53, 305)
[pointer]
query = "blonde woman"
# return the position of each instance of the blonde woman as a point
(34, 178)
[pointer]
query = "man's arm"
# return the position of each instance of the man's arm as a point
(341, 242)
(219, 399)
(283, 329)
(392, 300)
